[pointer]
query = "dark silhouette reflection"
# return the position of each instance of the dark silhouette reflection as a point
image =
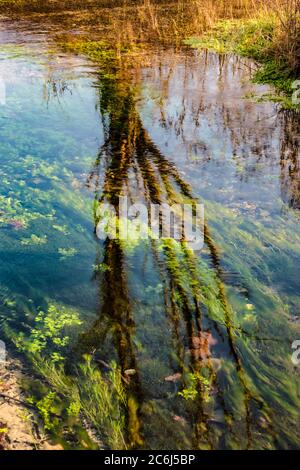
(129, 163)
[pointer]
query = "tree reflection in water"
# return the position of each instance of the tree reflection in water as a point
(129, 163)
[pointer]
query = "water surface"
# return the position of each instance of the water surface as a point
(206, 336)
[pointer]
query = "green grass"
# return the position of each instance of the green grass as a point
(253, 38)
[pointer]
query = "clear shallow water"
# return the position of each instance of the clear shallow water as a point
(216, 326)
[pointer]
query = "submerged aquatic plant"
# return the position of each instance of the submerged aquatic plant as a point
(85, 393)
(190, 392)
(46, 409)
(103, 402)
(67, 252)
(88, 394)
(49, 333)
(34, 240)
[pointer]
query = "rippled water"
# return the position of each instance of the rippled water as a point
(204, 338)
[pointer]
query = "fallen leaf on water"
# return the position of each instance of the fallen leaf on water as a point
(201, 345)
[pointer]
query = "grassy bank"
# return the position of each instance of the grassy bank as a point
(271, 37)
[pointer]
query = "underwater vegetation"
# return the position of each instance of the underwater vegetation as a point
(60, 398)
